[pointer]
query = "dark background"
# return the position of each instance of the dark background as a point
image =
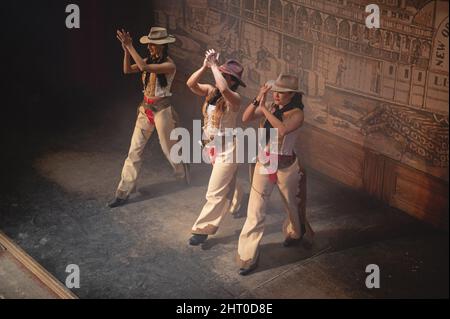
(58, 80)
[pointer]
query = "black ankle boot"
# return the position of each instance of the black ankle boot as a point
(291, 242)
(247, 271)
(117, 202)
(197, 239)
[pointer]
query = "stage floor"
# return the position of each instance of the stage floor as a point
(56, 212)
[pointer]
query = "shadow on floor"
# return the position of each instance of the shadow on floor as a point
(158, 190)
(275, 255)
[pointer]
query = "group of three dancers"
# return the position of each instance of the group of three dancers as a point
(220, 111)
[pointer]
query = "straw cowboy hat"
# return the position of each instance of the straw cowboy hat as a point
(235, 69)
(158, 36)
(285, 83)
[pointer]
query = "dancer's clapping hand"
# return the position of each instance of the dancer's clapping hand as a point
(262, 96)
(125, 38)
(263, 91)
(211, 58)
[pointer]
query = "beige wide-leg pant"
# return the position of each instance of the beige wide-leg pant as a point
(164, 124)
(292, 186)
(224, 195)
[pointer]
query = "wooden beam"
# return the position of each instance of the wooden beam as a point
(37, 270)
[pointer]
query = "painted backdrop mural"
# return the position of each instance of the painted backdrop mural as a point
(385, 89)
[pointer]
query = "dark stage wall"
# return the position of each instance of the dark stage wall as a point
(59, 80)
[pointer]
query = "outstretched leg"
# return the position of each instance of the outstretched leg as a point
(165, 124)
(219, 197)
(142, 133)
(292, 186)
(253, 230)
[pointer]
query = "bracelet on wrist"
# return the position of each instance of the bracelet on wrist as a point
(256, 102)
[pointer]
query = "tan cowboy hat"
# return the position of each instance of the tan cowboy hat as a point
(285, 83)
(159, 36)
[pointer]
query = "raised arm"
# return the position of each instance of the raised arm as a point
(127, 67)
(253, 112)
(233, 98)
(141, 64)
(195, 86)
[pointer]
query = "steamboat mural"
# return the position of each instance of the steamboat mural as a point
(385, 89)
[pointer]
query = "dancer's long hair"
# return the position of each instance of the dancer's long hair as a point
(297, 101)
(162, 79)
(216, 98)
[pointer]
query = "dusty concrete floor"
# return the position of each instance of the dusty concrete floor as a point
(56, 212)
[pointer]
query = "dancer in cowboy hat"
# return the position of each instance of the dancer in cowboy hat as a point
(220, 112)
(285, 115)
(155, 111)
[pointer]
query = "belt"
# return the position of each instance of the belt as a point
(155, 105)
(285, 161)
(151, 106)
(149, 100)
